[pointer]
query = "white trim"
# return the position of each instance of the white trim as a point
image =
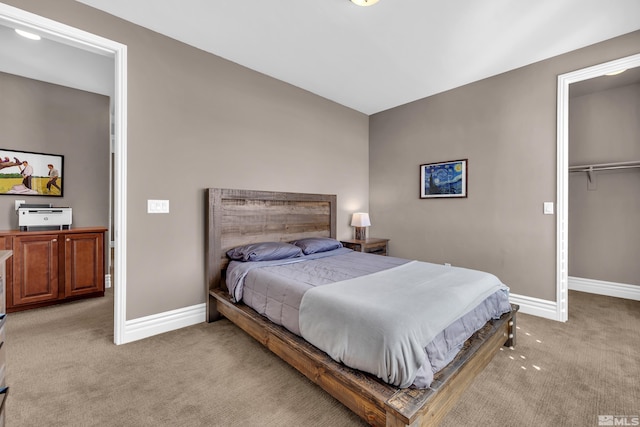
(155, 324)
(91, 42)
(120, 196)
(107, 281)
(601, 287)
(562, 205)
(535, 306)
(562, 238)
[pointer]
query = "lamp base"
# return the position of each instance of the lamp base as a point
(361, 233)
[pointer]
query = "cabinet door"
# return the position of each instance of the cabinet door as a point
(35, 269)
(84, 263)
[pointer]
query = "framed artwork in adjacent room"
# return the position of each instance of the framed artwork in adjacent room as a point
(25, 173)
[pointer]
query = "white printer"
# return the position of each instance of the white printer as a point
(43, 217)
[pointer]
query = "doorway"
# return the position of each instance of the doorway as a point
(562, 256)
(17, 18)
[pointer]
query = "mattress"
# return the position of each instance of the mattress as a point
(275, 289)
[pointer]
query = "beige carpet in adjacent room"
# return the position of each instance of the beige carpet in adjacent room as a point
(64, 370)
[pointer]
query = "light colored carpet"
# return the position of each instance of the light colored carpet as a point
(561, 374)
(64, 370)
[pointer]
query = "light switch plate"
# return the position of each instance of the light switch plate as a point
(157, 206)
(548, 208)
(19, 202)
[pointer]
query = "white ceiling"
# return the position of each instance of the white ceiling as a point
(378, 57)
(366, 58)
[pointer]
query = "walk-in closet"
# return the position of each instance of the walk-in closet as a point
(604, 185)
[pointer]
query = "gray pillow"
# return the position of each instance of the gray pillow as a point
(265, 251)
(314, 245)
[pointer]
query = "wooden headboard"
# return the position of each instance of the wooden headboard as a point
(239, 217)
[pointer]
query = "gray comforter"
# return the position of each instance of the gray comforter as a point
(393, 314)
(275, 289)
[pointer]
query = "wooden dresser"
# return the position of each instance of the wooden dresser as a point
(4, 390)
(54, 266)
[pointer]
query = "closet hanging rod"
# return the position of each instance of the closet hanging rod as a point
(605, 166)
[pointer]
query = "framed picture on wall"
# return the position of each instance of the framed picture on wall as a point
(443, 180)
(25, 173)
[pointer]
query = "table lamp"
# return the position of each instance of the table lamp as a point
(360, 220)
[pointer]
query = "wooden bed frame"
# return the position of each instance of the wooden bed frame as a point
(237, 217)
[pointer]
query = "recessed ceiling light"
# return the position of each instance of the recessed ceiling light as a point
(27, 34)
(364, 2)
(615, 73)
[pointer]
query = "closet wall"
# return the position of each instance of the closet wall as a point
(604, 216)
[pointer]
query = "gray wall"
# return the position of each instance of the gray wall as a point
(506, 126)
(604, 223)
(46, 118)
(196, 121)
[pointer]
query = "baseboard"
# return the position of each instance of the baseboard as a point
(144, 327)
(535, 306)
(600, 287)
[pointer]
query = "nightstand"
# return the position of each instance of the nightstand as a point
(371, 245)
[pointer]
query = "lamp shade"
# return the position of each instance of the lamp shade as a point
(360, 219)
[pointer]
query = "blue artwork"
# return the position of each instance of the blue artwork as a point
(446, 179)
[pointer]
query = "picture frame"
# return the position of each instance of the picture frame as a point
(27, 173)
(443, 180)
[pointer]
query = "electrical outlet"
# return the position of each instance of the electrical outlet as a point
(20, 202)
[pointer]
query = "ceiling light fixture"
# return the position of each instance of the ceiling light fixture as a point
(28, 35)
(615, 73)
(364, 2)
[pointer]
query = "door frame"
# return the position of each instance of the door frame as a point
(74, 37)
(562, 220)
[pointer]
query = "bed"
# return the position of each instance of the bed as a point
(240, 217)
